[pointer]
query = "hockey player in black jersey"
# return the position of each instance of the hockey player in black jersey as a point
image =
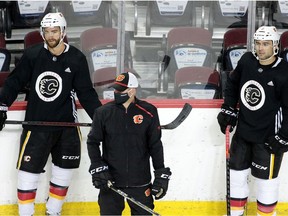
(56, 73)
(130, 133)
(260, 84)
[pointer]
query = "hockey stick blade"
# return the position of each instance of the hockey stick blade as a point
(180, 118)
(123, 194)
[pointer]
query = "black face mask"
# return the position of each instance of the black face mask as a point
(121, 98)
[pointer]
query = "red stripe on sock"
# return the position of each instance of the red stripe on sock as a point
(238, 202)
(26, 195)
(59, 191)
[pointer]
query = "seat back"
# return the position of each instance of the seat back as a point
(103, 78)
(100, 47)
(27, 14)
(188, 46)
(234, 46)
(197, 83)
(284, 45)
(5, 55)
(97, 12)
(169, 13)
(230, 14)
(279, 14)
(34, 37)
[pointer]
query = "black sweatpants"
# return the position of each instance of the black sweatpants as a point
(111, 203)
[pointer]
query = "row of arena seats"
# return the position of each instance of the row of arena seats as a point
(210, 14)
(28, 14)
(170, 13)
(187, 60)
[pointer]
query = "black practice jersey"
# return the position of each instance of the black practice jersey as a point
(262, 93)
(129, 139)
(54, 83)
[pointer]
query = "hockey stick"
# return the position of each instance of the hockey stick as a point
(227, 140)
(179, 119)
(123, 194)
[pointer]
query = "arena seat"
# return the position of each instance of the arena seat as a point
(169, 14)
(26, 14)
(103, 78)
(186, 47)
(283, 52)
(88, 13)
(34, 37)
(279, 14)
(234, 46)
(197, 83)
(100, 47)
(229, 14)
(5, 55)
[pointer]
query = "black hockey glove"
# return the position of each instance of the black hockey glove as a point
(227, 116)
(160, 184)
(100, 175)
(277, 144)
(3, 115)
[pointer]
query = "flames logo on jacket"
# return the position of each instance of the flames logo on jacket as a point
(252, 95)
(138, 119)
(48, 86)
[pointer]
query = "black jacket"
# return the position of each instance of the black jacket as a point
(129, 138)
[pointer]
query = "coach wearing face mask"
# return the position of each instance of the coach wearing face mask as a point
(130, 133)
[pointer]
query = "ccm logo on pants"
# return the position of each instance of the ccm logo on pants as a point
(65, 157)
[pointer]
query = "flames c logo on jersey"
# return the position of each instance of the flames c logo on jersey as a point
(48, 86)
(252, 95)
(138, 119)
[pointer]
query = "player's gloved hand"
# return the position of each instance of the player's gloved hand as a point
(100, 175)
(277, 144)
(160, 184)
(227, 116)
(3, 115)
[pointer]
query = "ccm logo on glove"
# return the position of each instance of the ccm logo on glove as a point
(281, 141)
(99, 169)
(229, 112)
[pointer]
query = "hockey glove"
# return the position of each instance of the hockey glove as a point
(160, 184)
(3, 115)
(100, 175)
(227, 116)
(277, 144)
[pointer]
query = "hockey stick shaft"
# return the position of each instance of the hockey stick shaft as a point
(227, 140)
(42, 123)
(123, 194)
(175, 123)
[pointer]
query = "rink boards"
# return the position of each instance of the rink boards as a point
(195, 152)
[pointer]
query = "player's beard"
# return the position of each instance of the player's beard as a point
(53, 43)
(265, 57)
